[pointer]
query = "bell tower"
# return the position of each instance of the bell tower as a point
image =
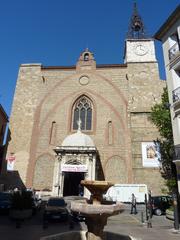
(138, 46)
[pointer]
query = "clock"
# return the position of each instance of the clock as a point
(140, 49)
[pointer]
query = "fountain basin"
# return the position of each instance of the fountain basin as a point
(91, 209)
(97, 186)
(96, 213)
(96, 217)
(97, 189)
(81, 235)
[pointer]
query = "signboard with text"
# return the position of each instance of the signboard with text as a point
(73, 168)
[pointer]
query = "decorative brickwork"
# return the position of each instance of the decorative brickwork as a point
(122, 96)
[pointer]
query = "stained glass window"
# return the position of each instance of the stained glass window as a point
(82, 111)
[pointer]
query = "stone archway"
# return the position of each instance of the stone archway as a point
(115, 170)
(44, 171)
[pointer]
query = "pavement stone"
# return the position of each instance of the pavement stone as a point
(127, 224)
(124, 223)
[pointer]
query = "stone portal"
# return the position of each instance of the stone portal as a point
(75, 161)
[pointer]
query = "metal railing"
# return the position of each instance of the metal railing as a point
(173, 51)
(176, 152)
(176, 94)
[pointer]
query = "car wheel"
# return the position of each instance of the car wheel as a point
(158, 212)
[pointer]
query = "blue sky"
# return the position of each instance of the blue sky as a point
(55, 32)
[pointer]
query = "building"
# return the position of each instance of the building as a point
(169, 34)
(88, 121)
(3, 124)
(3, 145)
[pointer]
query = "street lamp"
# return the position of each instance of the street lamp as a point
(176, 196)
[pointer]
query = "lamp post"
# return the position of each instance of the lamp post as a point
(176, 197)
(177, 163)
(176, 217)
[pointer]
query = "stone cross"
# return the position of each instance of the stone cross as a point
(79, 123)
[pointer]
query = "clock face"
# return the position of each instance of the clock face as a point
(140, 49)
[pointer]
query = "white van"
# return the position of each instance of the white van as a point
(123, 193)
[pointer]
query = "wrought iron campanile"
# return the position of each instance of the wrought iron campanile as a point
(136, 28)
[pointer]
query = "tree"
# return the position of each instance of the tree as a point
(161, 117)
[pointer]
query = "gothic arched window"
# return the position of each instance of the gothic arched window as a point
(82, 110)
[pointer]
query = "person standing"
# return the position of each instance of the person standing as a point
(133, 204)
(81, 193)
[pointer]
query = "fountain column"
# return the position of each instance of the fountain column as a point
(95, 226)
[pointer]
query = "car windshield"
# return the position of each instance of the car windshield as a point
(160, 199)
(56, 202)
(156, 200)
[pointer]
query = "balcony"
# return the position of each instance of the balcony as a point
(176, 100)
(173, 51)
(174, 57)
(177, 152)
(176, 94)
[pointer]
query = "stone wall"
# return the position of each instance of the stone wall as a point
(122, 97)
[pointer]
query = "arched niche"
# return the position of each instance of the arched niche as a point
(115, 170)
(44, 171)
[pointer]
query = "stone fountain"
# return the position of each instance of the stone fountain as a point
(96, 212)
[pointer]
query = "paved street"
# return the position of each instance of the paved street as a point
(127, 224)
(124, 223)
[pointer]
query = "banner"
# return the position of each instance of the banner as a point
(10, 163)
(151, 154)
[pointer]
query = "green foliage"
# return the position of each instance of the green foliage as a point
(171, 183)
(160, 116)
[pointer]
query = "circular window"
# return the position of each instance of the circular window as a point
(84, 80)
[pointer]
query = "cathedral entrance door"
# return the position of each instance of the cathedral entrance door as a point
(71, 183)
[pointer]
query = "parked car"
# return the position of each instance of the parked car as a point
(78, 217)
(55, 209)
(5, 201)
(160, 204)
(36, 202)
(36, 205)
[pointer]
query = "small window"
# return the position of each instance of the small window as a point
(110, 133)
(86, 57)
(82, 110)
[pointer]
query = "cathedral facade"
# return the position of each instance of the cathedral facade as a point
(88, 121)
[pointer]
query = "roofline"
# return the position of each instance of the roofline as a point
(58, 67)
(4, 113)
(73, 67)
(111, 65)
(175, 15)
(140, 39)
